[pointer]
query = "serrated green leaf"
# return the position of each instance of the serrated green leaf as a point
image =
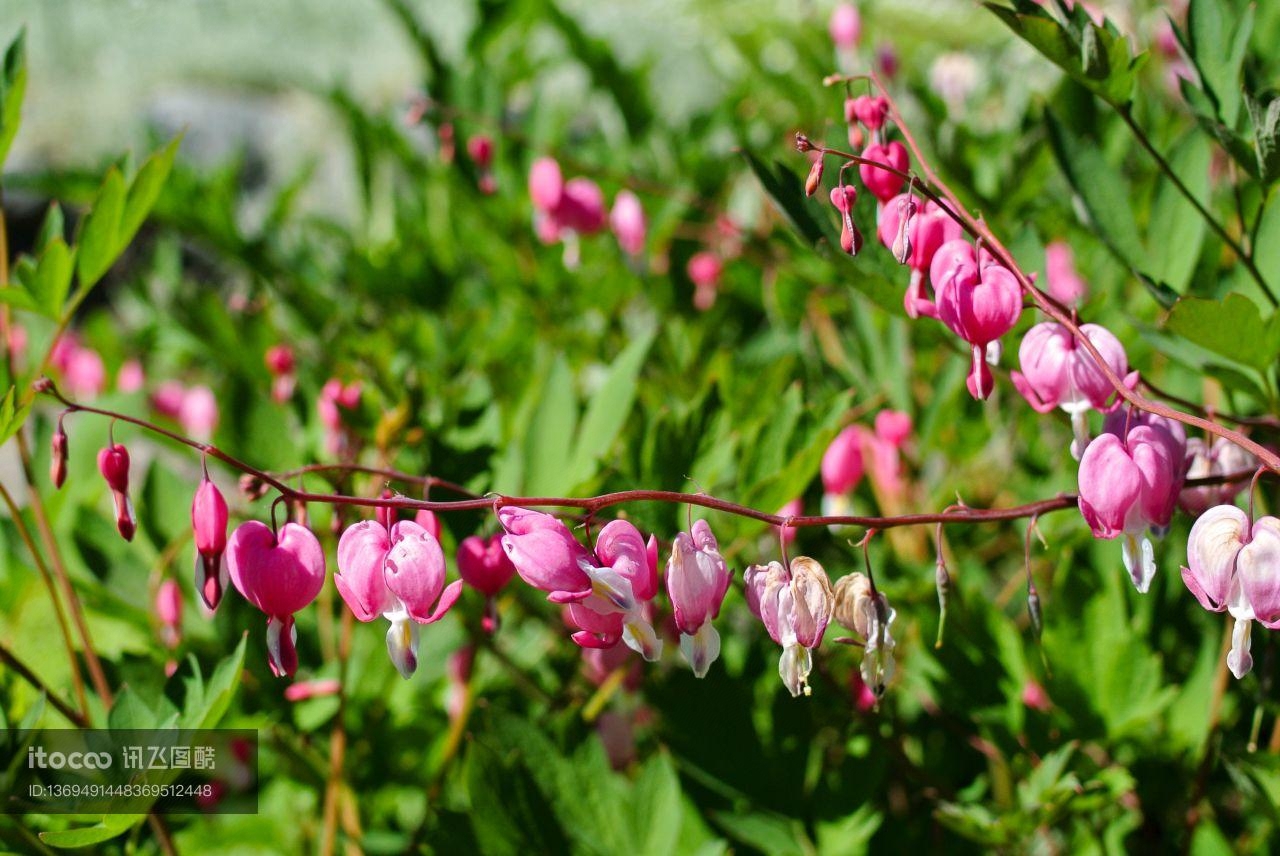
(1232, 328)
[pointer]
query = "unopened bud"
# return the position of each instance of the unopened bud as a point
(58, 462)
(802, 143)
(1033, 609)
(814, 181)
(856, 137)
(113, 463)
(902, 242)
(252, 487)
(850, 237)
(850, 110)
(42, 384)
(942, 579)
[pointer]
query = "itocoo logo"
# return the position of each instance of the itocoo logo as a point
(38, 758)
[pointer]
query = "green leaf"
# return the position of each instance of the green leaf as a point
(206, 704)
(52, 227)
(130, 712)
(11, 419)
(786, 189)
(1176, 230)
(49, 280)
(850, 835)
(550, 433)
(1232, 328)
(145, 190)
(656, 808)
(86, 836)
(1231, 140)
(97, 240)
(1218, 52)
(770, 833)
(608, 410)
(13, 87)
(1095, 56)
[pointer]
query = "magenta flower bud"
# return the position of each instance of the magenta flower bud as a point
(1127, 486)
(628, 222)
(58, 456)
(1234, 566)
(704, 269)
(209, 521)
(884, 185)
(1065, 284)
(846, 26)
(814, 180)
(484, 566)
(1221, 458)
(280, 360)
(113, 463)
(545, 184)
(697, 580)
(280, 576)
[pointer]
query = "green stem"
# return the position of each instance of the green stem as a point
(1246, 259)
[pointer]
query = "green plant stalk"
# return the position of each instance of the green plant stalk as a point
(1246, 258)
(77, 680)
(24, 671)
(96, 674)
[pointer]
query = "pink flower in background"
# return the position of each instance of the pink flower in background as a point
(169, 611)
(887, 60)
(280, 576)
(846, 26)
(167, 399)
(1065, 284)
(334, 399)
(1034, 697)
(1235, 566)
(82, 370)
(704, 270)
(697, 580)
(457, 671)
(1219, 458)
(545, 184)
(198, 413)
(575, 206)
(794, 508)
(795, 605)
(484, 566)
(842, 468)
(599, 663)
(398, 573)
(628, 222)
(428, 521)
(282, 365)
(304, 690)
(131, 377)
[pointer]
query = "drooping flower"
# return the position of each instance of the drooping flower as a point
(1058, 372)
(883, 184)
(1129, 485)
(398, 573)
(607, 592)
(1234, 566)
(280, 576)
(864, 610)
(282, 364)
(915, 229)
(795, 605)
(697, 580)
(704, 270)
(979, 300)
(113, 463)
(1064, 282)
(1220, 458)
(484, 566)
(209, 521)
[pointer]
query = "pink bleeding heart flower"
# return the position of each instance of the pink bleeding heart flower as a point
(845, 26)
(282, 364)
(870, 110)
(795, 606)
(198, 413)
(209, 522)
(581, 207)
(628, 222)
(884, 185)
(697, 580)
(843, 466)
(131, 377)
(1128, 485)
(979, 300)
(915, 229)
(429, 521)
(1234, 566)
(1220, 458)
(1058, 372)
(480, 150)
(83, 373)
(280, 576)
(1065, 284)
(398, 573)
(167, 399)
(608, 592)
(545, 184)
(484, 566)
(113, 463)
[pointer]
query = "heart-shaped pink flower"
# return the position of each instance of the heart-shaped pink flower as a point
(279, 575)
